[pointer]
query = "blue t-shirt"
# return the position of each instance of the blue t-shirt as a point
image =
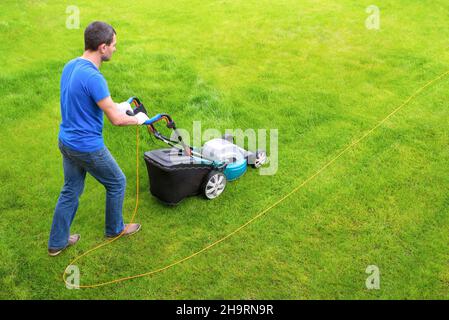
(82, 86)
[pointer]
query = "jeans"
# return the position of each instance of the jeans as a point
(103, 167)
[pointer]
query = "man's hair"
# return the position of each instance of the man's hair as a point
(97, 33)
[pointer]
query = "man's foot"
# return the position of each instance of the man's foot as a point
(130, 229)
(74, 238)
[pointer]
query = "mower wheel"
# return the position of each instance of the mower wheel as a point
(260, 159)
(214, 184)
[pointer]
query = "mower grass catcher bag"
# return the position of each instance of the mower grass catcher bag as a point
(173, 175)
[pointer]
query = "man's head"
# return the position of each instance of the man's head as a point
(100, 37)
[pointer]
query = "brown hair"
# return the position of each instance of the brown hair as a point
(97, 33)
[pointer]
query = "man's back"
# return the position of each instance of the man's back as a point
(82, 86)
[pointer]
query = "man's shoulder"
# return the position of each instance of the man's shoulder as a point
(82, 68)
(71, 63)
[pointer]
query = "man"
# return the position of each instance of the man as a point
(84, 98)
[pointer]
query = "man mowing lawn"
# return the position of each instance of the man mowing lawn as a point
(84, 98)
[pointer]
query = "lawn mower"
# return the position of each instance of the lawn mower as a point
(181, 170)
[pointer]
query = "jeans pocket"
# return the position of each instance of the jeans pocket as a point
(100, 157)
(65, 151)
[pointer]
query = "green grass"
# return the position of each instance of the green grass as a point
(307, 68)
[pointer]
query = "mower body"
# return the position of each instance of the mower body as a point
(182, 171)
(174, 175)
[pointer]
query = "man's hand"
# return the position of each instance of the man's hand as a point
(141, 118)
(123, 107)
(116, 117)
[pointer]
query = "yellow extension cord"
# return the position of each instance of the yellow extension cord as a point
(242, 226)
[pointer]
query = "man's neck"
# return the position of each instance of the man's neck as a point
(93, 57)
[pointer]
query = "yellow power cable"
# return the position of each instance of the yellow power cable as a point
(246, 223)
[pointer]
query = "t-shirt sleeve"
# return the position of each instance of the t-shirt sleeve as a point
(98, 87)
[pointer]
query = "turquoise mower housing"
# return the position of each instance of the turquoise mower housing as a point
(235, 170)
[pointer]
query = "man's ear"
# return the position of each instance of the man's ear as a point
(102, 48)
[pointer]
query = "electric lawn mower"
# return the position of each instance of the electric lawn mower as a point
(182, 170)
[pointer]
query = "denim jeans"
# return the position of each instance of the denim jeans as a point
(103, 167)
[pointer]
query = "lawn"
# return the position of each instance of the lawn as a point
(311, 70)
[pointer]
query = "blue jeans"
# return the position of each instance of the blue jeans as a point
(103, 167)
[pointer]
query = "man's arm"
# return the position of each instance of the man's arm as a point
(116, 117)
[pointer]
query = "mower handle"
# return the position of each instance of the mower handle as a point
(160, 116)
(139, 107)
(131, 99)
